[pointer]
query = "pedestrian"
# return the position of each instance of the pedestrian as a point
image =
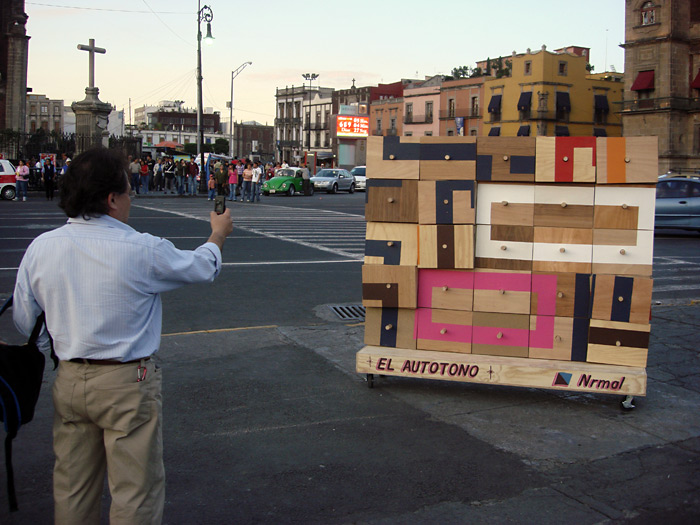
(232, 182)
(180, 172)
(240, 168)
(221, 178)
(158, 175)
(143, 173)
(151, 165)
(256, 182)
(212, 187)
(169, 171)
(247, 183)
(48, 178)
(135, 170)
(106, 329)
(192, 172)
(22, 181)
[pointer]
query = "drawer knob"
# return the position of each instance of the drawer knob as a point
(444, 247)
(563, 205)
(566, 159)
(446, 201)
(502, 292)
(560, 294)
(390, 243)
(445, 288)
(392, 157)
(621, 299)
(390, 199)
(624, 206)
(562, 249)
(443, 331)
(499, 335)
(388, 285)
(627, 160)
(618, 343)
(504, 247)
(505, 203)
(557, 338)
(447, 157)
(505, 157)
(389, 327)
(622, 251)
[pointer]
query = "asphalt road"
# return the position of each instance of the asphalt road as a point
(267, 422)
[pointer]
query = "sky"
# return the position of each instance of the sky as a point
(152, 44)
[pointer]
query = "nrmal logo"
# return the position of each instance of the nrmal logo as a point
(562, 379)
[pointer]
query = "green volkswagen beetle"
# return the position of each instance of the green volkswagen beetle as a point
(289, 181)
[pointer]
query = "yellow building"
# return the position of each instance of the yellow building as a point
(548, 93)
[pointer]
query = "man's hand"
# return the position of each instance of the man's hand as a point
(221, 227)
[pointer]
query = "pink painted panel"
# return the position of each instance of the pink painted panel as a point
(545, 286)
(488, 335)
(424, 328)
(429, 279)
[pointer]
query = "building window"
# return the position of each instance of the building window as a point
(428, 133)
(149, 139)
(472, 132)
(451, 108)
(409, 133)
(528, 67)
(161, 138)
(409, 113)
(648, 14)
(428, 111)
(475, 107)
(563, 106)
(379, 125)
(450, 132)
(44, 109)
(562, 68)
(57, 127)
(33, 110)
(56, 110)
(601, 108)
(392, 123)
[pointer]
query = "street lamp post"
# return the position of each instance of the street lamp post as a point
(234, 74)
(204, 14)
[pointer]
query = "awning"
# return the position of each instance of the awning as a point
(524, 101)
(561, 131)
(524, 131)
(324, 155)
(601, 103)
(695, 84)
(600, 132)
(563, 101)
(495, 104)
(495, 132)
(644, 81)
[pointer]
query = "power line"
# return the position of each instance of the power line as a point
(110, 10)
(166, 25)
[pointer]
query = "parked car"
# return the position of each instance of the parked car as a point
(360, 178)
(678, 203)
(7, 180)
(332, 180)
(288, 181)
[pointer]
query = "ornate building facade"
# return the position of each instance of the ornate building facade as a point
(14, 56)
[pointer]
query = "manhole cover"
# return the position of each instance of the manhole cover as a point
(349, 312)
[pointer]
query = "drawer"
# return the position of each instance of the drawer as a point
(392, 327)
(622, 299)
(558, 338)
(502, 291)
(447, 158)
(613, 343)
(505, 159)
(443, 330)
(566, 159)
(391, 200)
(491, 251)
(560, 294)
(624, 207)
(447, 202)
(446, 289)
(562, 250)
(510, 204)
(391, 243)
(500, 334)
(633, 255)
(631, 160)
(564, 206)
(393, 157)
(389, 286)
(446, 246)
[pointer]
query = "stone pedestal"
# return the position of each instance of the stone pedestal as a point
(91, 118)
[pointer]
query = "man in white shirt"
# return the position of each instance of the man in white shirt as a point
(99, 280)
(257, 177)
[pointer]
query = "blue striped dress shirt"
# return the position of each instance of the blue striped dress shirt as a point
(99, 280)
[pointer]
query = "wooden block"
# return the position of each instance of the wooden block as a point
(557, 337)
(510, 204)
(563, 206)
(624, 207)
(635, 258)
(565, 159)
(391, 200)
(389, 286)
(446, 246)
(390, 327)
(446, 289)
(447, 202)
(562, 250)
(443, 330)
(560, 294)
(505, 159)
(447, 158)
(500, 334)
(490, 252)
(484, 369)
(630, 160)
(393, 157)
(622, 299)
(501, 291)
(615, 343)
(391, 243)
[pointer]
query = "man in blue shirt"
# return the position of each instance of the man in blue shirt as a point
(99, 282)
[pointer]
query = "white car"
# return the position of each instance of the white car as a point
(360, 178)
(8, 189)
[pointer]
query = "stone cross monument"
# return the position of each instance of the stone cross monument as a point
(91, 115)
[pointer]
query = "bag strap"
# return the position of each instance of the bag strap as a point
(40, 321)
(11, 494)
(7, 304)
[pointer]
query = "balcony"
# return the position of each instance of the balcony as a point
(661, 104)
(459, 112)
(289, 144)
(418, 119)
(377, 132)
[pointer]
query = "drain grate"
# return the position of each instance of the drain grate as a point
(349, 312)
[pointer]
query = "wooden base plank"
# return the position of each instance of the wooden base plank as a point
(497, 370)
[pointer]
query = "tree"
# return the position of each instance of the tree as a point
(461, 72)
(221, 146)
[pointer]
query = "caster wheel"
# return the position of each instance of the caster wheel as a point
(370, 380)
(628, 403)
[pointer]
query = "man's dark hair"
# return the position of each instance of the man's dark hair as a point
(90, 178)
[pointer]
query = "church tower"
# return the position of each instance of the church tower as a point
(14, 55)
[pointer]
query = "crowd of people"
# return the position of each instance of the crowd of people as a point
(44, 173)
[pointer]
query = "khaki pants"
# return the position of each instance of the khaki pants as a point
(107, 421)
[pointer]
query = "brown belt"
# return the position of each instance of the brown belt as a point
(105, 361)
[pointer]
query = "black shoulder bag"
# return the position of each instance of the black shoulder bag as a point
(21, 373)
